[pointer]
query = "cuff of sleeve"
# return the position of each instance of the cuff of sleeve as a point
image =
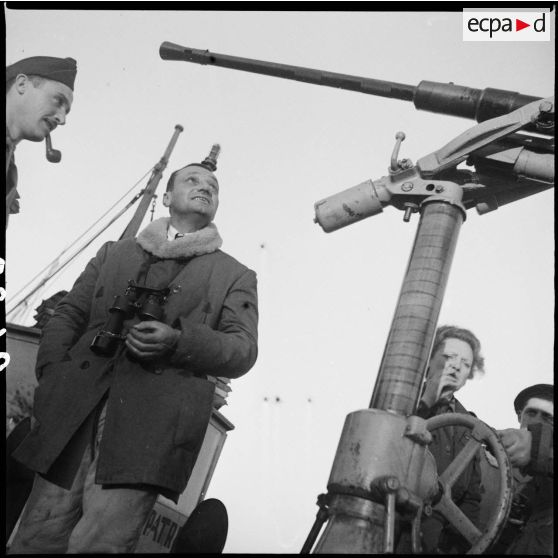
(541, 443)
(190, 348)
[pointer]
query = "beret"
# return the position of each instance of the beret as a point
(57, 69)
(541, 391)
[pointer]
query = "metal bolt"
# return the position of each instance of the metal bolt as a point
(545, 106)
(410, 208)
(439, 189)
(407, 186)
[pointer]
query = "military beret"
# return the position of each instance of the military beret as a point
(58, 69)
(541, 391)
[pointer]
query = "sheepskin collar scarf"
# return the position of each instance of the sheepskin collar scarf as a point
(153, 239)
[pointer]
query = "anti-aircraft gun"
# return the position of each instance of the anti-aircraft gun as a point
(382, 473)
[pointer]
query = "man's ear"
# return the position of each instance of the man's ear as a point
(21, 83)
(166, 199)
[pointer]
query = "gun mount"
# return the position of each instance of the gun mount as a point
(513, 158)
(383, 475)
(507, 169)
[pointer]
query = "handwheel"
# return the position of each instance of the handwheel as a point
(480, 433)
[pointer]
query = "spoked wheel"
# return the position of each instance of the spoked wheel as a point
(480, 433)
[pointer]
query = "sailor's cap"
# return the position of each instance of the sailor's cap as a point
(58, 69)
(541, 391)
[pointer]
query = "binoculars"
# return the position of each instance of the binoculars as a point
(144, 302)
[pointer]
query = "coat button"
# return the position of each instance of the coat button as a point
(84, 365)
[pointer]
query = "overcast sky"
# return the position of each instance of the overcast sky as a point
(326, 300)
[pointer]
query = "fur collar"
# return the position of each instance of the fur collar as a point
(153, 239)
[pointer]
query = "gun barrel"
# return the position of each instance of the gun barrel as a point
(443, 98)
(476, 104)
(172, 51)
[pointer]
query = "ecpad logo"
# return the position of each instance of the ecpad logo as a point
(506, 26)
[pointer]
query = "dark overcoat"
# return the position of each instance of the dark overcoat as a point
(157, 412)
(530, 527)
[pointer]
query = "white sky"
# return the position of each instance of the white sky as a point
(326, 300)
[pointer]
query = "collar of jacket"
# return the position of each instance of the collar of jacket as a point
(153, 239)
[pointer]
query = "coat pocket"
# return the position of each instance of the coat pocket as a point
(196, 404)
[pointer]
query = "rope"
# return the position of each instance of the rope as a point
(81, 235)
(49, 277)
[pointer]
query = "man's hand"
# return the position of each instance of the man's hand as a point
(433, 388)
(151, 339)
(518, 445)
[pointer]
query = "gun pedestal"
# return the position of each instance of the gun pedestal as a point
(382, 469)
(412, 330)
(381, 466)
(382, 473)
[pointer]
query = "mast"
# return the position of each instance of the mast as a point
(149, 192)
(23, 307)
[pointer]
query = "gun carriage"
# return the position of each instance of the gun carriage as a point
(382, 474)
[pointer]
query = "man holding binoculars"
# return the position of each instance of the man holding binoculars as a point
(123, 400)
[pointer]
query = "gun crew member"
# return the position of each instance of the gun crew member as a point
(455, 358)
(39, 95)
(123, 402)
(531, 452)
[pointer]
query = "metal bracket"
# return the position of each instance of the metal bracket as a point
(417, 431)
(480, 136)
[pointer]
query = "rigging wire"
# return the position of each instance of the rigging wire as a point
(49, 277)
(58, 269)
(156, 171)
(81, 235)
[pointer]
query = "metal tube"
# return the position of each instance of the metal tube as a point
(389, 533)
(172, 51)
(321, 518)
(412, 330)
(467, 102)
(445, 98)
